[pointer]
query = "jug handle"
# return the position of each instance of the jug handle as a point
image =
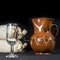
(56, 29)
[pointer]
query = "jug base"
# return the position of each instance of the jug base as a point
(42, 53)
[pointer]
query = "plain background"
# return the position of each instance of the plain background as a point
(24, 20)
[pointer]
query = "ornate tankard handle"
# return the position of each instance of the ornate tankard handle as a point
(56, 29)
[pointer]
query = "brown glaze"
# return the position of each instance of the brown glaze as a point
(43, 41)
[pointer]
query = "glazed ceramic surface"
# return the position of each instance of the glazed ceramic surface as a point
(43, 41)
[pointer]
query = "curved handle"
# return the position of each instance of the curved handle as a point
(56, 29)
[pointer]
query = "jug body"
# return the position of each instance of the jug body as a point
(43, 41)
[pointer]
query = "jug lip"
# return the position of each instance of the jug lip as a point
(43, 18)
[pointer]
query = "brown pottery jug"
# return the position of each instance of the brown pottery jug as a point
(43, 41)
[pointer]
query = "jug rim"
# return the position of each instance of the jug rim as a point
(43, 18)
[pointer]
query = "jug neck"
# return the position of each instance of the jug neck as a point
(42, 24)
